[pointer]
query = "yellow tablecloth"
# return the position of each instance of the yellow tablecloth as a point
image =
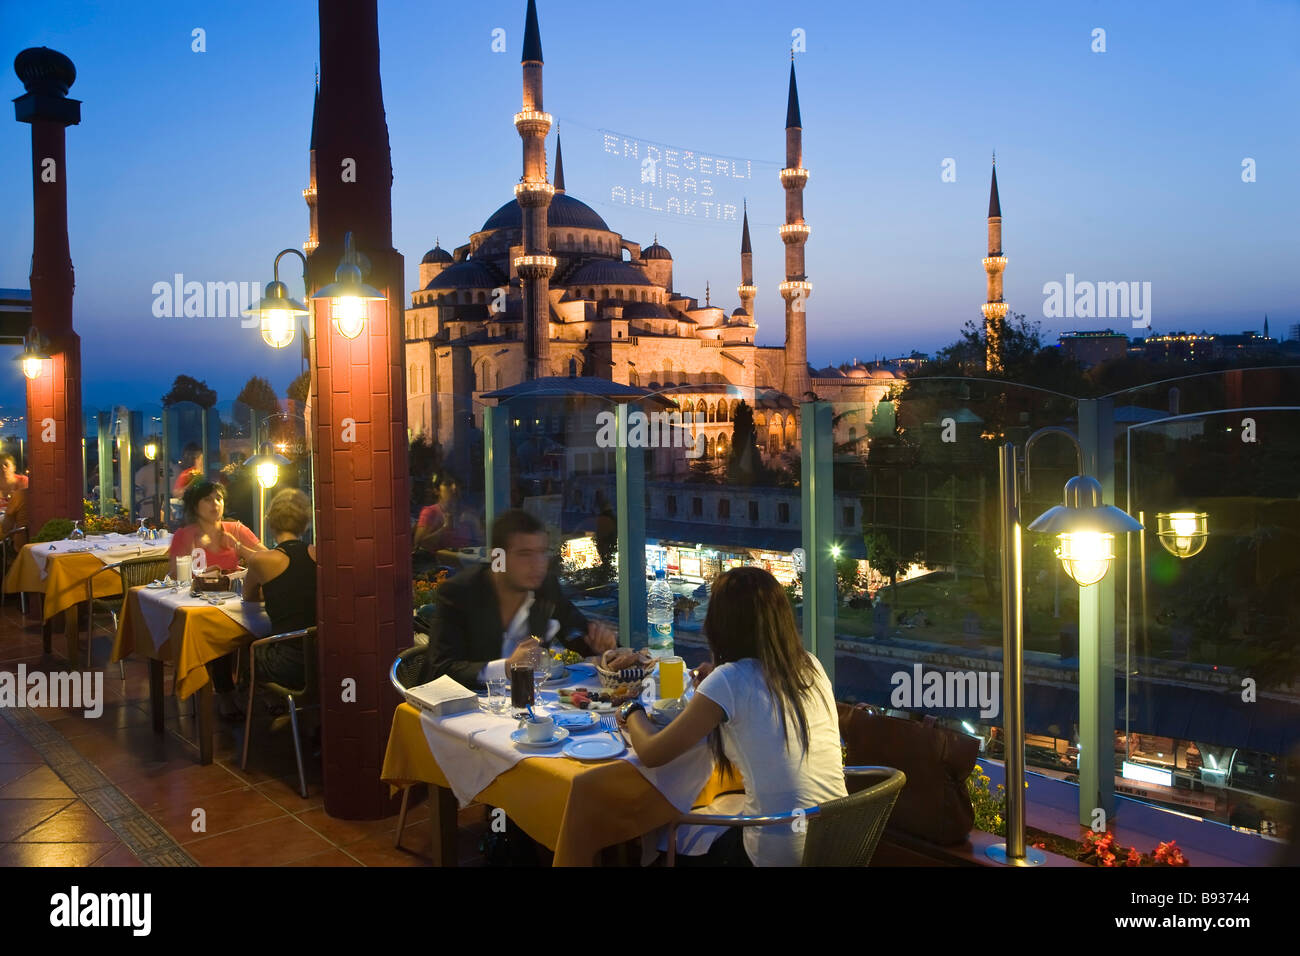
(197, 635)
(574, 808)
(64, 584)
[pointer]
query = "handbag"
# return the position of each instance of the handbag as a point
(934, 804)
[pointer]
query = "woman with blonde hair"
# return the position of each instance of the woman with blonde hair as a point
(285, 577)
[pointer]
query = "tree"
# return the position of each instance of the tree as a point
(744, 463)
(300, 388)
(258, 394)
(884, 557)
(186, 389)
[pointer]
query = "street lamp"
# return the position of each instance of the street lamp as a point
(349, 294)
(1085, 529)
(1183, 533)
(33, 354)
(266, 467)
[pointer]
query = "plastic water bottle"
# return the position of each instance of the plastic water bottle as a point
(659, 612)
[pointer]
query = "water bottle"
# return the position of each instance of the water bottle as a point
(659, 612)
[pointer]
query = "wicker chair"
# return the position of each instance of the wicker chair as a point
(406, 672)
(298, 698)
(134, 573)
(9, 548)
(841, 832)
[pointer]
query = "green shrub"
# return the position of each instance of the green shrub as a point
(56, 529)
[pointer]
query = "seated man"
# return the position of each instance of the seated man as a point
(484, 620)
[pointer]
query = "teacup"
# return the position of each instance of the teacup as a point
(538, 729)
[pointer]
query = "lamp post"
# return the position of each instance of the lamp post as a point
(266, 467)
(1085, 529)
(348, 295)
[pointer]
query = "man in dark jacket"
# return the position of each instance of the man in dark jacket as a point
(491, 616)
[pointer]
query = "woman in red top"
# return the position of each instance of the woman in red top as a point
(224, 542)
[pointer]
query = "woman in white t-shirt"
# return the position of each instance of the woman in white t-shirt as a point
(766, 706)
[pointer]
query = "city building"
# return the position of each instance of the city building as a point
(1093, 347)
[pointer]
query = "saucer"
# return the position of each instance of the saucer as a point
(523, 743)
(595, 748)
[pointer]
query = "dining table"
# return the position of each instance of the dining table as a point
(574, 807)
(58, 572)
(170, 625)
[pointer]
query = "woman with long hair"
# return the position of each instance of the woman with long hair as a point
(766, 706)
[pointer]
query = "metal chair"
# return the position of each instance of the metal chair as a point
(9, 549)
(134, 573)
(406, 672)
(840, 832)
(299, 698)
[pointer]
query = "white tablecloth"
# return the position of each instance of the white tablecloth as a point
(158, 607)
(473, 749)
(108, 548)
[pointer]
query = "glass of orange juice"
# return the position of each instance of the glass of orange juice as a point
(672, 677)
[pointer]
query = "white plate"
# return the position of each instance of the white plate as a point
(594, 748)
(522, 743)
(156, 585)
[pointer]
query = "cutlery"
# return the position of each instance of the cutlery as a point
(609, 724)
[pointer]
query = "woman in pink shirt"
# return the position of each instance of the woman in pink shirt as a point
(224, 543)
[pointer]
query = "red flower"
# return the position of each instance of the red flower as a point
(1169, 854)
(1134, 858)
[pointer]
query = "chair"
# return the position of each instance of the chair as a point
(406, 672)
(298, 698)
(134, 573)
(9, 548)
(841, 832)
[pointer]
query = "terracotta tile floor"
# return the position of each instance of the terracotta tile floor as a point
(57, 811)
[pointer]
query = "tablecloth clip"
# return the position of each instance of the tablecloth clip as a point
(470, 739)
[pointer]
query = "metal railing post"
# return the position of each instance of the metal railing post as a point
(629, 491)
(816, 503)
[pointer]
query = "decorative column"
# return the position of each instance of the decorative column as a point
(359, 420)
(533, 193)
(54, 426)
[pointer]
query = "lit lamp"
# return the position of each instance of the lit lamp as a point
(278, 312)
(1183, 533)
(1085, 529)
(349, 294)
(33, 354)
(266, 467)
(151, 450)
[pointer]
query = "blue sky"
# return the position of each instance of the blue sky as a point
(1117, 166)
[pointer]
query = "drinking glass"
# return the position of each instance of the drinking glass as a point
(541, 673)
(498, 689)
(142, 532)
(76, 534)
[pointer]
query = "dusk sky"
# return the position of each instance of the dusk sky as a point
(1125, 165)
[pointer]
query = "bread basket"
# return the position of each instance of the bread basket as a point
(610, 679)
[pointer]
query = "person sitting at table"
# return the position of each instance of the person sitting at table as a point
(224, 543)
(11, 479)
(15, 517)
(484, 618)
(765, 704)
(445, 523)
(285, 577)
(192, 460)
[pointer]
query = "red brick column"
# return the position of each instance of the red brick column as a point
(54, 424)
(359, 422)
